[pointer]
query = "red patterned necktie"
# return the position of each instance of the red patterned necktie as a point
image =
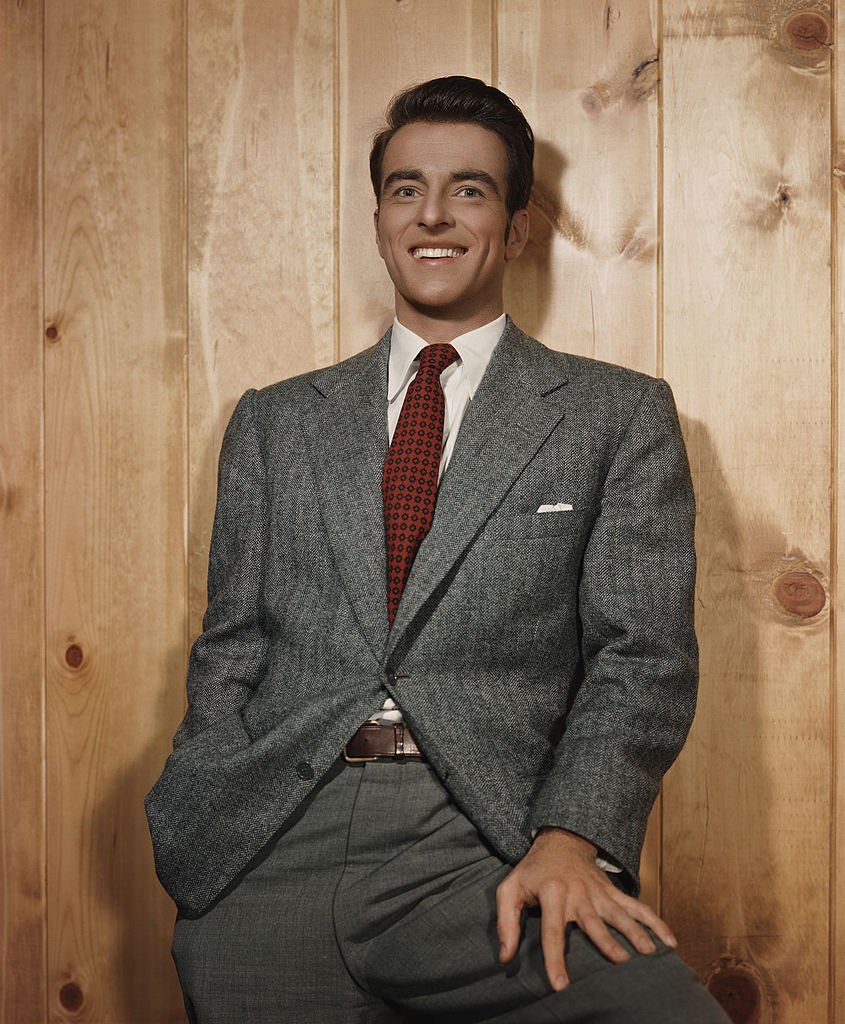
(411, 469)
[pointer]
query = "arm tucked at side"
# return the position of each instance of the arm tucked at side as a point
(228, 658)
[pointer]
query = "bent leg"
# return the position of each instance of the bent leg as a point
(418, 926)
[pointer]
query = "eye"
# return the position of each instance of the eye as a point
(470, 192)
(405, 192)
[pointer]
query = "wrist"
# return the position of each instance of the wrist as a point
(564, 838)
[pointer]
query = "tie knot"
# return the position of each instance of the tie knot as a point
(435, 358)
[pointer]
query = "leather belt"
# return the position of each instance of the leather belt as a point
(374, 741)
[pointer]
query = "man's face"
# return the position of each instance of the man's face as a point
(441, 225)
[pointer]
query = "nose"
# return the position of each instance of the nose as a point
(435, 211)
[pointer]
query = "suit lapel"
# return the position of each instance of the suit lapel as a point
(349, 435)
(515, 408)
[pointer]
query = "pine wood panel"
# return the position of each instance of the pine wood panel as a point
(115, 471)
(747, 342)
(586, 77)
(384, 47)
(261, 219)
(587, 280)
(283, 99)
(22, 855)
(837, 950)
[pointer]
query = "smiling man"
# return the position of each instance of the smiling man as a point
(448, 652)
(443, 227)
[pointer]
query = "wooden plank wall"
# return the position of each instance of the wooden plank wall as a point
(747, 343)
(23, 974)
(185, 212)
(114, 420)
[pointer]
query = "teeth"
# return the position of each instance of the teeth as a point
(436, 254)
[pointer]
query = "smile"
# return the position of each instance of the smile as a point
(436, 254)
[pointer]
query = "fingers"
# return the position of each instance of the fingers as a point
(509, 904)
(596, 917)
(627, 916)
(552, 932)
(644, 914)
(594, 927)
(567, 889)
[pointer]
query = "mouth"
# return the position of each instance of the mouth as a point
(431, 253)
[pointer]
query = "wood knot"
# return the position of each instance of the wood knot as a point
(74, 656)
(71, 996)
(634, 248)
(737, 989)
(783, 197)
(52, 332)
(595, 99)
(800, 593)
(645, 77)
(807, 31)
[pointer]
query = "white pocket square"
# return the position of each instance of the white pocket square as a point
(560, 507)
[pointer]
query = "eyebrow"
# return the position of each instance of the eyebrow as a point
(465, 174)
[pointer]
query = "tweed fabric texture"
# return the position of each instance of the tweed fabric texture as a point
(411, 469)
(565, 638)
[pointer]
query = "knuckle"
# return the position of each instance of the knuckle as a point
(505, 891)
(553, 887)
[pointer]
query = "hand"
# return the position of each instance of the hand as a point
(559, 874)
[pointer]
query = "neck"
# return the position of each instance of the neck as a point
(436, 329)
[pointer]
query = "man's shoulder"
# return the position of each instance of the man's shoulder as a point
(313, 385)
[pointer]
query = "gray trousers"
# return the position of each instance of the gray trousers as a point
(376, 905)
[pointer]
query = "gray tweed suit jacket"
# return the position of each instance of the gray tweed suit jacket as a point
(546, 662)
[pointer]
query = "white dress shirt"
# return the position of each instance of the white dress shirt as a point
(459, 381)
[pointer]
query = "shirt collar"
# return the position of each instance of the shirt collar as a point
(475, 349)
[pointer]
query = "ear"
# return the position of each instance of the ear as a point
(375, 225)
(517, 234)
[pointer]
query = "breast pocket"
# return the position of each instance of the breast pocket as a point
(528, 525)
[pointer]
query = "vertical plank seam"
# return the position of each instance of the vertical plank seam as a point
(659, 354)
(45, 949)
(494, 43)
(186, 250)
(834, 531)
(659, 357)
(336, 180)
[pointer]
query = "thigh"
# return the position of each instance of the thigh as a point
(658, 988)
(266, 953)
(419, 927)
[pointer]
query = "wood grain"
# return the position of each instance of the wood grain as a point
(207, 226)
(115, 474)
(747, 343)
(586, 75)
(261, 219)
(837, 834)
(22, 854)
(587, 281)
(384, 47)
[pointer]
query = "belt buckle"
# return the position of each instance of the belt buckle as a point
(357, 760)
(361, 760)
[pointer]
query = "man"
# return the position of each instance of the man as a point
(448, 652)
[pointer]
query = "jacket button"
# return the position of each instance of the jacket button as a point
(304, 770)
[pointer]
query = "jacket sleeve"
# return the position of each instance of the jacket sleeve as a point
(635, 704)
(228, 658)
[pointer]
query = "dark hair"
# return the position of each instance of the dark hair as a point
(461, 100)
